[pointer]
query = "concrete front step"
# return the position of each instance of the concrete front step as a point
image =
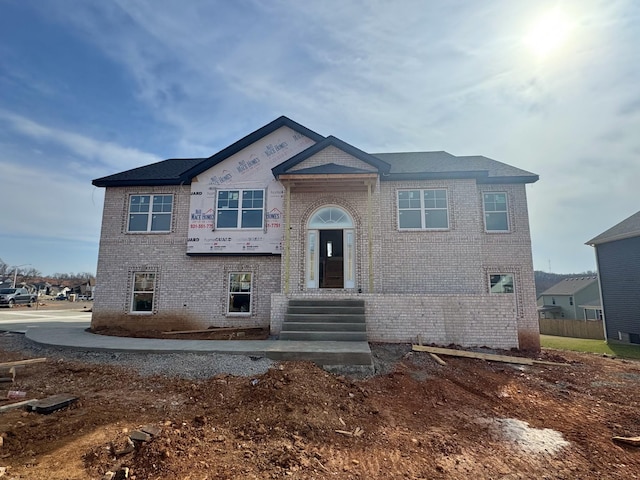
(324, 310)
(322, 353)
(324, 336)
(330, 303)
(332, 318)
(324, 326)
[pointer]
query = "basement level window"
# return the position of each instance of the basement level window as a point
(240, 292)
(144, 286)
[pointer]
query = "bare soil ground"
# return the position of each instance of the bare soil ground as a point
(417, 419)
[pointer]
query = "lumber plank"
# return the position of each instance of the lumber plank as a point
(633, 441)
(481, 356)
(438, 359)
(19, 363)
(484, 356)
(11, 406)
(212, 330)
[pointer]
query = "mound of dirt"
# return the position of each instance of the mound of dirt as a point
(467, 419)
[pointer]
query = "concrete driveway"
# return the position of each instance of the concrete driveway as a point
(20, 318)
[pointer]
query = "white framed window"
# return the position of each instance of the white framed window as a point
(496, 216)
(423, 209)
(150, 213)
(144, 288)
(240, 209)
(501, 283)
(240, 292)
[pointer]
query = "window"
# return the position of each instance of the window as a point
(240, 209)
(501, 283)
(239, 293)
(495, 212)
(571, 301)
(423, 209)
(150, 213)
(144, 286)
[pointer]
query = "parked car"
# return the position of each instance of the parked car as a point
(14, 296)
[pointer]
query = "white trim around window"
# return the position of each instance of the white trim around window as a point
(150, 213)
(240, 209)
(495, 206)
(501, 283)
(240, 293)
(143, 293)
(423, 209)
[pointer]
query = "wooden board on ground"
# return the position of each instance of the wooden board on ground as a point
(214, 330)
(633, 441)
(20, 363)
(481, 356)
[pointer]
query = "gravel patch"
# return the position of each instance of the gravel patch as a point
(193, 366)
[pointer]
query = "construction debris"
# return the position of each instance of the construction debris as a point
(356, 433)
(438, 359)
(51, 404)
(633, 441)
(483, 356)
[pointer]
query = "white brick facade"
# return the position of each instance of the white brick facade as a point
(432, 284)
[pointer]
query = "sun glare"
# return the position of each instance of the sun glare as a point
(548, 33)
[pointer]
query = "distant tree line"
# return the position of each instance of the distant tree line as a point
(31, 275)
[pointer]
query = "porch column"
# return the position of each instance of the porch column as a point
(287, 236)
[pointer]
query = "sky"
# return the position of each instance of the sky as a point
(89, 88)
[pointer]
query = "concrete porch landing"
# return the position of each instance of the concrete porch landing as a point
(319, 352)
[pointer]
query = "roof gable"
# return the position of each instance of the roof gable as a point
(285, 167)
(182, 171)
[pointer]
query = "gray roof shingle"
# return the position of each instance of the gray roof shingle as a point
(628, 228)
(570, 286)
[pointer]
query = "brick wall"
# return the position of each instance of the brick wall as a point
(465, 320)
(191, 292)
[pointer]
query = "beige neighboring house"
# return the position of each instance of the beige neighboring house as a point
(435, 245)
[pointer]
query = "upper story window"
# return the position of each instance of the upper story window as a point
(150, 213)
(496, 217)
(501, 283)
(423, 209)
(240, 209)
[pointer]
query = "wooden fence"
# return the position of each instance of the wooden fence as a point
(572, 328)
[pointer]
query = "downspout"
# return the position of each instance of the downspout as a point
(287, 237)
(370, 237)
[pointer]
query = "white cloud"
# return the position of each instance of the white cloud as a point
(88, 150)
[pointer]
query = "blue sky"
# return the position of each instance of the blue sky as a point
(91, 88)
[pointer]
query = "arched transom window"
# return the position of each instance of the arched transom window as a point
(330, 217)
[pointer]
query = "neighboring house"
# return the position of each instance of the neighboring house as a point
(436, 245)
(618, 260)
(84, 289)
(572, 298)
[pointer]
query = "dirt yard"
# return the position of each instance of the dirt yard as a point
(418, 419)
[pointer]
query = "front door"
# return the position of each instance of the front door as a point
(331, 269)
(330, 256)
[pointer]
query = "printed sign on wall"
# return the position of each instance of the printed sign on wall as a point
(242, 191)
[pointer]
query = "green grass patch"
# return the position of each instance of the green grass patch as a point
(591, 346)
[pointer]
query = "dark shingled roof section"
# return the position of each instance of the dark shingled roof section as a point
(426, 164)
(166, 172)
(391, 166)
(628, 228)
(328, 169)
(570, 286)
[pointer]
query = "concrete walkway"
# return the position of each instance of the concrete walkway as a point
(326, 353)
